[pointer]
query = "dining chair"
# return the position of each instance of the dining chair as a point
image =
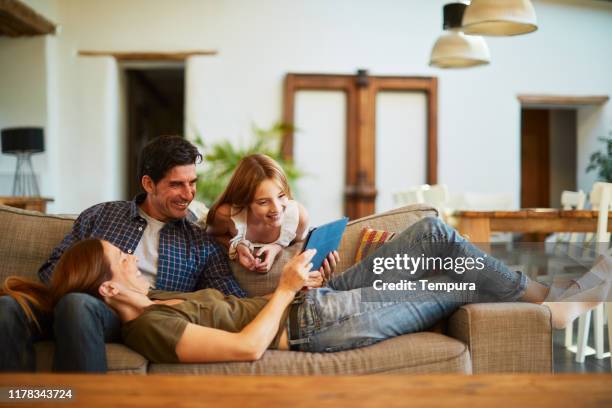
(565, 243)
(412, 195)
(488, 201)
(437, 196)
(601, 201)
(572, 200)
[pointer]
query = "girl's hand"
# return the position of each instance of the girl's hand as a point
(245, 257)
(296, 272)
(268, 254)
(329, 265)
(315, 280)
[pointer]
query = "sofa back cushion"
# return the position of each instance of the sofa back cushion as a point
(27, 239)
(397, 220)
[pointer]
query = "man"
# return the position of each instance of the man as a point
(174, 254)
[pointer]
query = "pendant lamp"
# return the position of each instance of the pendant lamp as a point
(499, 17)
(453, 49)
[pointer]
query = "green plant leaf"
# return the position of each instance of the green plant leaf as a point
(222, 157)
(602, 162)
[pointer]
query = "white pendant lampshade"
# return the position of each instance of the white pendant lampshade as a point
(457, 50)
(453, 49)
(499, 17)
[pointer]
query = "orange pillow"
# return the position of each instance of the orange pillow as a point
(370, 241)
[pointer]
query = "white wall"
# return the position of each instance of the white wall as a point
(401, 144)
(319, 144)
(23, 100)
(258, 42)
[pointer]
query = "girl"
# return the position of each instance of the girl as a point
(256, 217)
(170, 327)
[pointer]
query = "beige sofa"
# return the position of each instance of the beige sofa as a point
(479, 338)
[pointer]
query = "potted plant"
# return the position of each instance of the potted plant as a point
(221, 158)
(602, 162)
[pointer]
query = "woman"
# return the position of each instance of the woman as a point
(256, 217)
(206, 326)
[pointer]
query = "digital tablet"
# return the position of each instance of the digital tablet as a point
(325, 239)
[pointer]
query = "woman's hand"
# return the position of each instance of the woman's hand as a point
(245, 257)
(329, 265)
(296, 272)
(268, 254)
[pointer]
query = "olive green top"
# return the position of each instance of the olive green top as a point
(157, 331)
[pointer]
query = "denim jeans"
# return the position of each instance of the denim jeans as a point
(351, 313)
(80, 327)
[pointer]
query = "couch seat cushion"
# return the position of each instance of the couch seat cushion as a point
(119, 358)
(413, 353)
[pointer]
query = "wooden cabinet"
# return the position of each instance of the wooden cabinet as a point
(27, 203)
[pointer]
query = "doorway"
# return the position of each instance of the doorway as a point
(548, 156)
(155, 107)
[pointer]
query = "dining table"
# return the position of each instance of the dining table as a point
(477, 226)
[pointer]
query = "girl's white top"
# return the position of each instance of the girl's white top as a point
(288, 231)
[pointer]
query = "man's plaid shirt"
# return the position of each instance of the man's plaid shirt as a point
(189, 258)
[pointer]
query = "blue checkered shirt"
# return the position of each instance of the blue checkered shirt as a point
(189, 259)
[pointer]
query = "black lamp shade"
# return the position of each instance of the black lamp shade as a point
(453, 15)
(22, 140)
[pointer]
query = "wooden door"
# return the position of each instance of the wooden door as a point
(155, 106)
(535, 158)
(361, 92)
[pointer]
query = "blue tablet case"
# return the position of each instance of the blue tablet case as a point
(325, 239)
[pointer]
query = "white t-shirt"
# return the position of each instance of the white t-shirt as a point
(147, 250)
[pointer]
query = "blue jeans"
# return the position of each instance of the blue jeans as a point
(80, 327)
(351, 313)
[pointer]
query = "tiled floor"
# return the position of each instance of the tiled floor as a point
(564, 361)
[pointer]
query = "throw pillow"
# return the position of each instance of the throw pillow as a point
(370, 240)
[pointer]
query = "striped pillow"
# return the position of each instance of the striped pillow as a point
(370, 241)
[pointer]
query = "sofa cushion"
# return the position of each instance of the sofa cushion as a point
(395, 220)
(370, 240)
(259, 284)
(120, 359)
(27, 239)
(412, 353)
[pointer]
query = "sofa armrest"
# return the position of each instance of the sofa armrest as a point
(505, 337)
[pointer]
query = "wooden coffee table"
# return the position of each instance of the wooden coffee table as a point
(442, 390)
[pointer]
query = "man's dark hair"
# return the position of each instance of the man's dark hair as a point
(163, 153)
